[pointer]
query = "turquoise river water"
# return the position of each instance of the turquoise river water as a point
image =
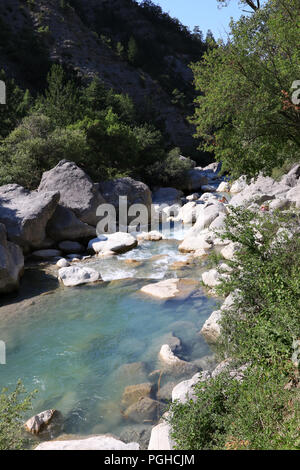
(75, 345)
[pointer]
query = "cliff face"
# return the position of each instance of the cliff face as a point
(92, 37)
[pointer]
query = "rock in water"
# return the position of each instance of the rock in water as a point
(153, 236)
(77, 190)
(134, 393)
(211, 329)
(11, 263)
(171, 288)
(119, 242)
(75, 275)
(25, 214)
(39, 422)
(145, 410)
(103, 442)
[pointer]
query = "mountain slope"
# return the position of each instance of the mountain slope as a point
(95, 38)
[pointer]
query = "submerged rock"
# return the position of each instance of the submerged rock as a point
(134, 393)
(144, 410)
(103, 442)
(75, 275)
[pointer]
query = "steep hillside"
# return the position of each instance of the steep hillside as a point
(135, 49)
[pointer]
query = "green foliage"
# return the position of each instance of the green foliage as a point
(170, 171)
(259, 330)
(61, 102)
(256, 413)
(17, 104)
(34, 147)
(244, 112)
(92, 125)
(265, 273)
(13, 407)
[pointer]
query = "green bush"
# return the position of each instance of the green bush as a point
(170, 171)
(257, 413)
(13, 407)
(259, 329)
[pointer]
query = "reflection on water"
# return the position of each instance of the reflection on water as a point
(81, 347)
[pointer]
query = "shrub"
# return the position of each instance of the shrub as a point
(259, 329)
(13, 406)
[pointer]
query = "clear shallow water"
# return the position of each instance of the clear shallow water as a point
(72, 345)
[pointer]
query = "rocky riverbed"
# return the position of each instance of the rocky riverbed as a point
(130, 317)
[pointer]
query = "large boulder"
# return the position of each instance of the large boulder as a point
(76, 275)
(119, 242)
(103, 442)
(167, 196)
(64, 225)
(261, 189)
(135, 191)
(25, 214)
(196, 178)
(77, 190)
(11, 263)
(292, 178)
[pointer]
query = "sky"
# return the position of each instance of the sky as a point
(202, 13)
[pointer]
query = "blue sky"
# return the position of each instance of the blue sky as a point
(202, 13)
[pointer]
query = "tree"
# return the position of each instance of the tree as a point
(133, 51)
(243, 110)
(61, 101)
(18, 103)
(253, 4)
